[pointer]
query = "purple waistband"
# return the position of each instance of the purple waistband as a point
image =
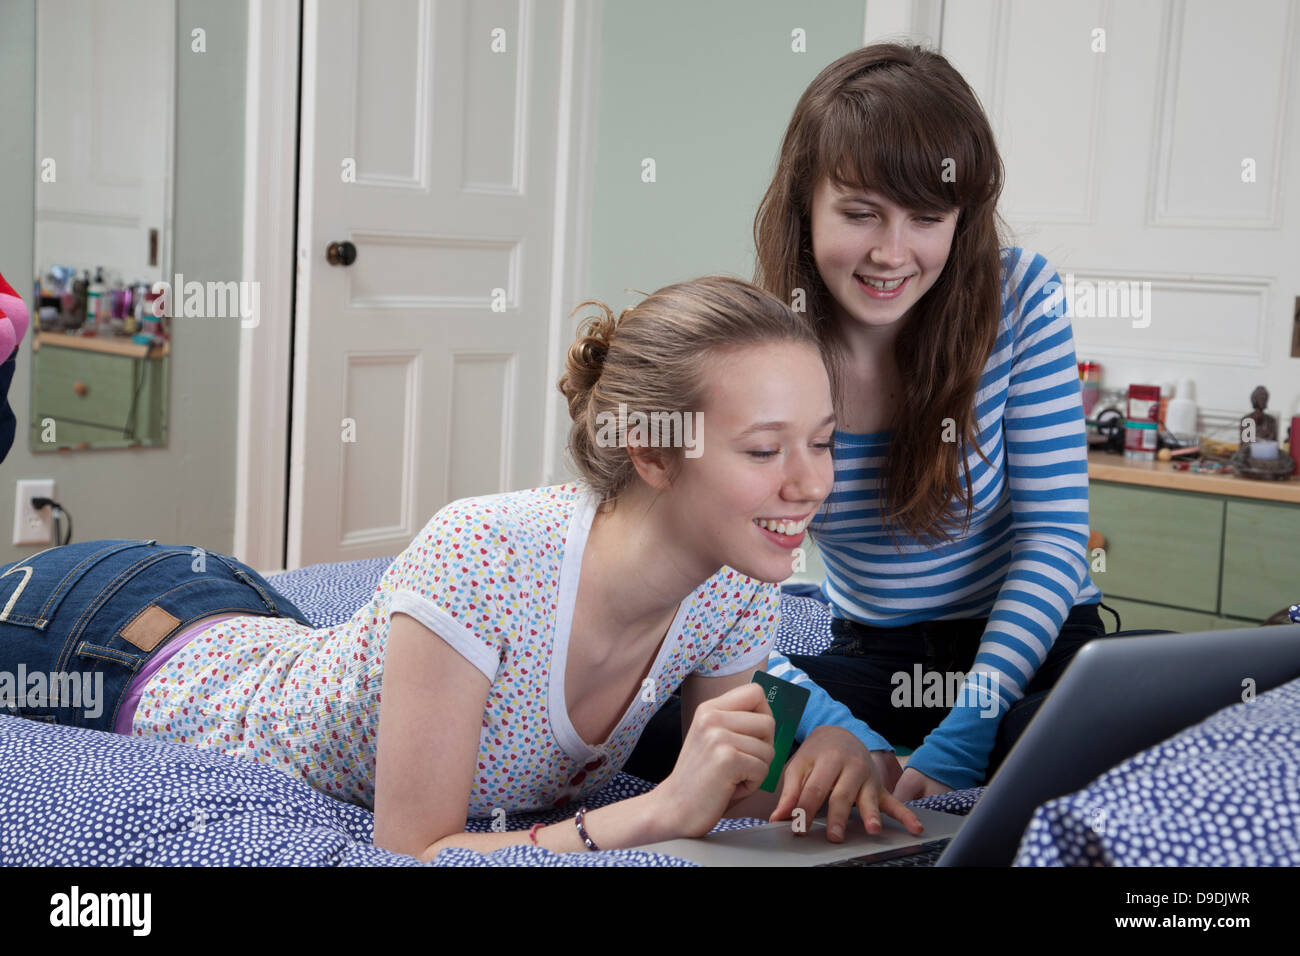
(131, 700)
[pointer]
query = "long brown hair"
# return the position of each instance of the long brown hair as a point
(886, 118)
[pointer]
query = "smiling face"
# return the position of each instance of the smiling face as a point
(876, 258)
(768, 421)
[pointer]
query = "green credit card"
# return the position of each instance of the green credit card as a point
(787, 702)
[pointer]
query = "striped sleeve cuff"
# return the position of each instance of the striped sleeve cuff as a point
(822, 708)
(956, 753)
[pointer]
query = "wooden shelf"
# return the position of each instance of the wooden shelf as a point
(1103, 466)
(111, 345)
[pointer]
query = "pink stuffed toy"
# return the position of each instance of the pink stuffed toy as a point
(13, 325)
(13, 319)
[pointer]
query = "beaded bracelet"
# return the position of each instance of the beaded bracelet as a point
(582, 831)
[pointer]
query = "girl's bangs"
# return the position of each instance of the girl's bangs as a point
(874, 142)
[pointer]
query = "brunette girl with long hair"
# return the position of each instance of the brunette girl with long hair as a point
(955, 535)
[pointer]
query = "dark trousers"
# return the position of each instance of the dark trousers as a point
(7, 421)
(859, 669)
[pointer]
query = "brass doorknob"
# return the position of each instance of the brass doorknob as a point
(341, 253)
(80, 388)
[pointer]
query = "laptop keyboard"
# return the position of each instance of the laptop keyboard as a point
(926, 854)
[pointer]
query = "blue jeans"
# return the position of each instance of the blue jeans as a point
(78, 622)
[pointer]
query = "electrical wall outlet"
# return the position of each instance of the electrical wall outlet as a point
(32, 526)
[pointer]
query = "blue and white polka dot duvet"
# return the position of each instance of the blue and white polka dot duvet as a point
(1223, 792)
(77, 797)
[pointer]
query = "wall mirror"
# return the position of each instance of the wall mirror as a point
(105, 128)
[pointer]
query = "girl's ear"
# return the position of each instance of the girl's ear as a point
(656, 466)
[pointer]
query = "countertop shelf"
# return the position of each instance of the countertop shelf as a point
(112, 345)
(1103, 466)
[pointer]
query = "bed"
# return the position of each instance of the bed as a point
(1223, 792)
(70, 796)
(76, 797)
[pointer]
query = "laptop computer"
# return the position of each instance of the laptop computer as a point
(1119, 696)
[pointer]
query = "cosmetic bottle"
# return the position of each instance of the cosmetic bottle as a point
(131, 314)
(1141, 427)
(1181, 415)
(1090, 383)
(1295, 436)
(96, 306)
(77, 313)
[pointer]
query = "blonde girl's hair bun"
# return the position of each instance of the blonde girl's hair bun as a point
(586, 358)
(656, 358)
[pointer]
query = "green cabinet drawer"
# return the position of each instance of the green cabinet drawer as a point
(1161, 546)
(109, 380)
(124, 403)
(1261, 558)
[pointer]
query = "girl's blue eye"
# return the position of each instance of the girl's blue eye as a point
(762, 454)
(859, 215)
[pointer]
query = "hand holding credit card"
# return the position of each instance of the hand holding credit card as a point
(787, 701)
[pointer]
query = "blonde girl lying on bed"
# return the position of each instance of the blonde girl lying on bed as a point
(522, 640)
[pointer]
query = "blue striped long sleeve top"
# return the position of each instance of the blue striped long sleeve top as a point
(1023, 561)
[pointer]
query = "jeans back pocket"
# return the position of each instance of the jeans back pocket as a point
(32, 589)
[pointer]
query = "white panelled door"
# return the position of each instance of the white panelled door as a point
(1154, 143)
(429, 143)
(104, 132)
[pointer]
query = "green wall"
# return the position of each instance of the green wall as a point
(706, 90)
